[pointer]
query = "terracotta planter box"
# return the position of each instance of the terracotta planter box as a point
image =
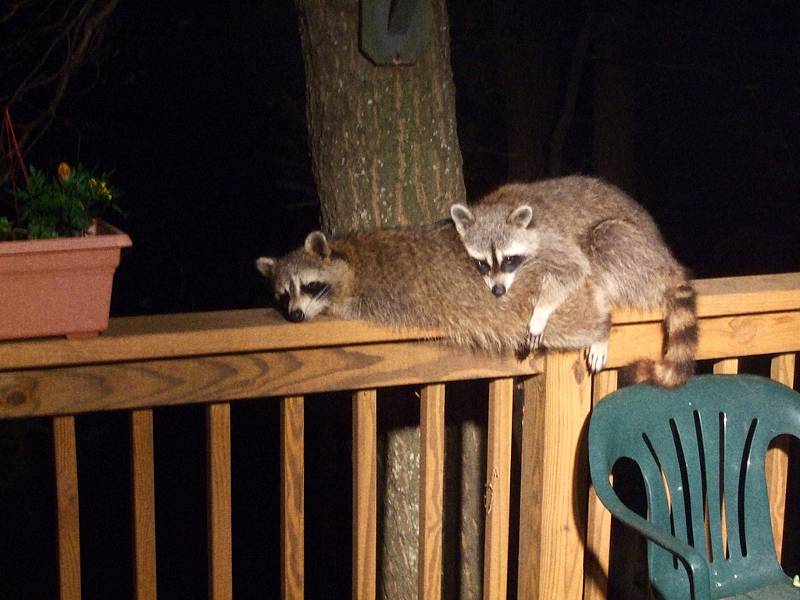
(60, 286)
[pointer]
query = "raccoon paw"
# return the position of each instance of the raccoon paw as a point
(597, 355)
(535, 340)
(522, 351)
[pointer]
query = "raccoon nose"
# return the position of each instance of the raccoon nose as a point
(498, 289)
(296, 315)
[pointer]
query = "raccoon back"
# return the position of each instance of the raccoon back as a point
(421, 276)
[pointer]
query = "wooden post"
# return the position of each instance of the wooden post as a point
(530, 489)
(598, 525)
(144, 504)
(498, 488)
(220, 546)
(431, 491)
(564, 476)
(727, 366)
(777, 465)
(69, 547)
(365, 498)
(292, 498)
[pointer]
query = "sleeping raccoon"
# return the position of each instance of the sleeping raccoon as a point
(580, 230)
(418, 276)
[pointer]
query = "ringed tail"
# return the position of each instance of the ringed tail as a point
(680, 340)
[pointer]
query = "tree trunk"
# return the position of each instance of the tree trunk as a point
(383, 139)
(384, 152)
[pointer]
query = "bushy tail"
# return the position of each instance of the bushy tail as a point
(680, 340)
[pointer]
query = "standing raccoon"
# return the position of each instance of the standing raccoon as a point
(577, 230)
(418, 276)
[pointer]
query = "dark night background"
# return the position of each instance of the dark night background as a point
(199, 110)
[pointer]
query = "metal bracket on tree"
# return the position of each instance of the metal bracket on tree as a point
(394, 32)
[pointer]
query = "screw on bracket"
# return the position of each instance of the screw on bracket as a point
(394, 32)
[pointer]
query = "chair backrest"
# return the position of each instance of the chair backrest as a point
(701, 450)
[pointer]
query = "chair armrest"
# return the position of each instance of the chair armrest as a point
(694, 561)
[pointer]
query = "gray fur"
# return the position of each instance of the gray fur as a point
(419, 276)
(573, 232)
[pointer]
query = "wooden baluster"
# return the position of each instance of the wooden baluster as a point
(292, 500)
(431, 493)
(498, 488)
(564, 478)
(727, 366)
(598, 528)
(220, 548)
(777, 465)
(530, 488)
(69, 547)
(144, 505)
(365, 499)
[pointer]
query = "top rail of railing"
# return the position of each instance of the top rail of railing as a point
(263, 330)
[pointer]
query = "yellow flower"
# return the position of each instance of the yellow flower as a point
(64, 171)
(101, 186)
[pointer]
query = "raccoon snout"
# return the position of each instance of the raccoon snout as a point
(296, 315)
(498, 289)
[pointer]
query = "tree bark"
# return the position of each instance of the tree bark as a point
(383, 139)
(384, 152)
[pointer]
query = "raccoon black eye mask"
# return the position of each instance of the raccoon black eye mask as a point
(315, 289)
(577, 230)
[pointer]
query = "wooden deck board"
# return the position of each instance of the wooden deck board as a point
(261, 330)
(71, 390)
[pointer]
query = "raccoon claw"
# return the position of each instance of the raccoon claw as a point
(522, 352)
(596, 356)
(534, 340)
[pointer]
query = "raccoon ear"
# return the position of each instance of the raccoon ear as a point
(521, 216)
(266, 266)
(462, 217)
(317, 244)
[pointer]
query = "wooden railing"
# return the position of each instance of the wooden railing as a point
(216, 358)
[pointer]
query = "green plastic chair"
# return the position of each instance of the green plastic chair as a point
(698, 447)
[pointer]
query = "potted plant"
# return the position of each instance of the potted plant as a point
(57, 261)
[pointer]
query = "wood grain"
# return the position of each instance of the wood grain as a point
(720, 337)
(598, 520)
(261, 330)
(365, 487)
(728, 366)
(199, 334)
(142, 362)
(144, 505)
(293, 498)
(564, 477)
(530, 488)
(498, 488)
(432, 433)
(777, 460)
(69, 547)
(220, 543)
(71, 390)
(722, 296)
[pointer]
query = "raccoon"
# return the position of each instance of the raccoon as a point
(578, 231)
(418, 276)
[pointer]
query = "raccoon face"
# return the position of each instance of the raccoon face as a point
(302, 280)
(498, 242)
